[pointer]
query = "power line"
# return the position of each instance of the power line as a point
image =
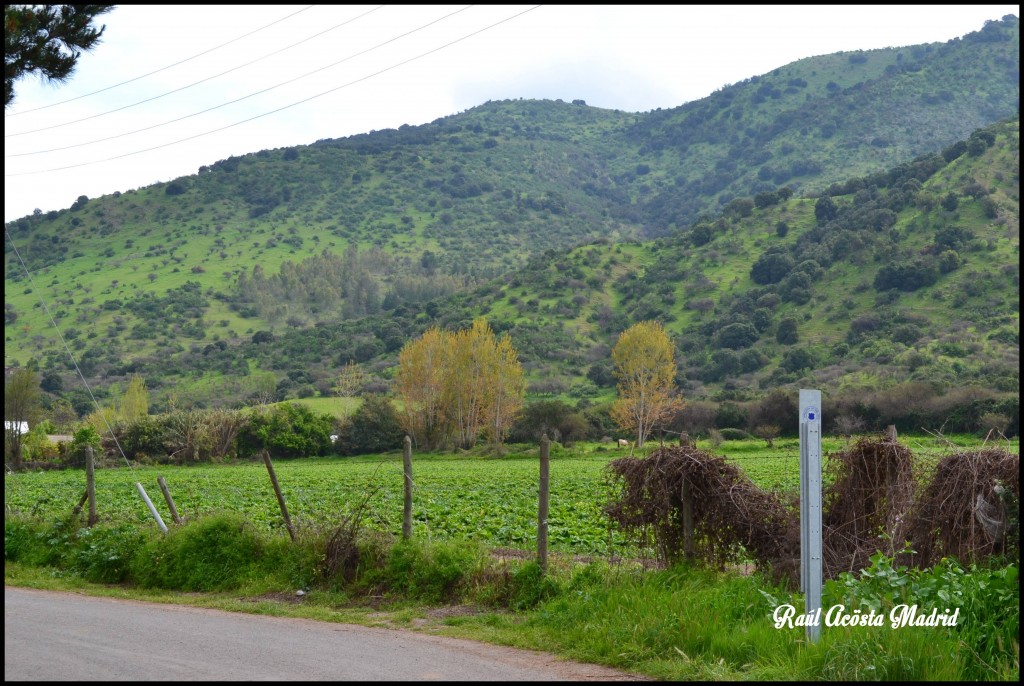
(60, 335)
(280, 109)
(178, 90)
(244, 97)
(187, 59)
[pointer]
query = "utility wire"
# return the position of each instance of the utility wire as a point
(280, 109)
(68, 349)
(244, 97)
(178, 90)
(187, 59)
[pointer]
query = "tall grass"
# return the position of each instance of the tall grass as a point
(682, 623)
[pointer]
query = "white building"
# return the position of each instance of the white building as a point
(20, 427)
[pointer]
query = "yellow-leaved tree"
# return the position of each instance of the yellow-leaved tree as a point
(645, 367)
(420, 384)
(508, 388)
(459, 386)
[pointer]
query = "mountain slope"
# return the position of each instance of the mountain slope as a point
(177, 279)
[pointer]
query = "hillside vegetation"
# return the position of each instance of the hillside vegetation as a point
(849, 221)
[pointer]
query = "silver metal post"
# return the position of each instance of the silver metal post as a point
(810, 507)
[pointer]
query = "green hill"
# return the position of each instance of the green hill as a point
(563, 224)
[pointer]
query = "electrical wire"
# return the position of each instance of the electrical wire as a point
(231, 102)
(66, 347)
(178, 90)
(157, 71)
(279, 109)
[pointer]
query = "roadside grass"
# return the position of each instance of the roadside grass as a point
(681, 623)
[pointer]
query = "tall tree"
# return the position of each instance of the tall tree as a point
(467, 380)
(47, 39)
(644, 360)
(21, 404)
(459, 386)
(420, 383)
(134, 403)
(508, 390)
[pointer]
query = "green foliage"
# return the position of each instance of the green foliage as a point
(142, 438)
(773, 265)
(988, 601)
(431, 572)
(35, 542)
(212, 554)
(374, 428)
(287, 430)
(907, 276)
(787, 333)
(104, 553)
(47, 40)
(82, 439)
(736, 335)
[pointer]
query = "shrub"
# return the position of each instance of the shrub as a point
(211, 554)
(287, 430)
(103, 553)
(374, 428)
(36, 543)
(429, 571)
(81, 440)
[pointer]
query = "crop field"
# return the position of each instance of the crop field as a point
(492, 500)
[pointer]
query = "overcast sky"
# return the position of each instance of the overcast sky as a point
(340, 70)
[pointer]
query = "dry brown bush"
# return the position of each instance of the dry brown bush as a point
(871, 505)
(961, 513)
(866, 505)
(732, 517)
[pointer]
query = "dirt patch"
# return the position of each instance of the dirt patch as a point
(453, 611)
(289, 598)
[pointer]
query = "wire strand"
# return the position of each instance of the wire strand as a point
(178, 90)
(68, 349)
(244, 97)
(280, 109)
(132, 80)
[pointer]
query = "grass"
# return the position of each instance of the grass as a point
(234, 555)
(650, 622)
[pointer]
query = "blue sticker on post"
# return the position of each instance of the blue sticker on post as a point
(810, 413)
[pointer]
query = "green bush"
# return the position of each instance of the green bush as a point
(530, 587)
(104, 553)
(988, 599)
(82, 439)
(287, 430)
(213, 554)
(374, 428)
(735, 434)
(432, 572)
(35, 543)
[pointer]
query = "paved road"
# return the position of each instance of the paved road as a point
(69, 637)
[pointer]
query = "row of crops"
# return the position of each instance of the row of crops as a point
(487, 499)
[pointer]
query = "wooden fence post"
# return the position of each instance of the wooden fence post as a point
(542, 508)
(407, 505)
(277, 492)
(90, 484)
(687, 520)
(170, 501)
